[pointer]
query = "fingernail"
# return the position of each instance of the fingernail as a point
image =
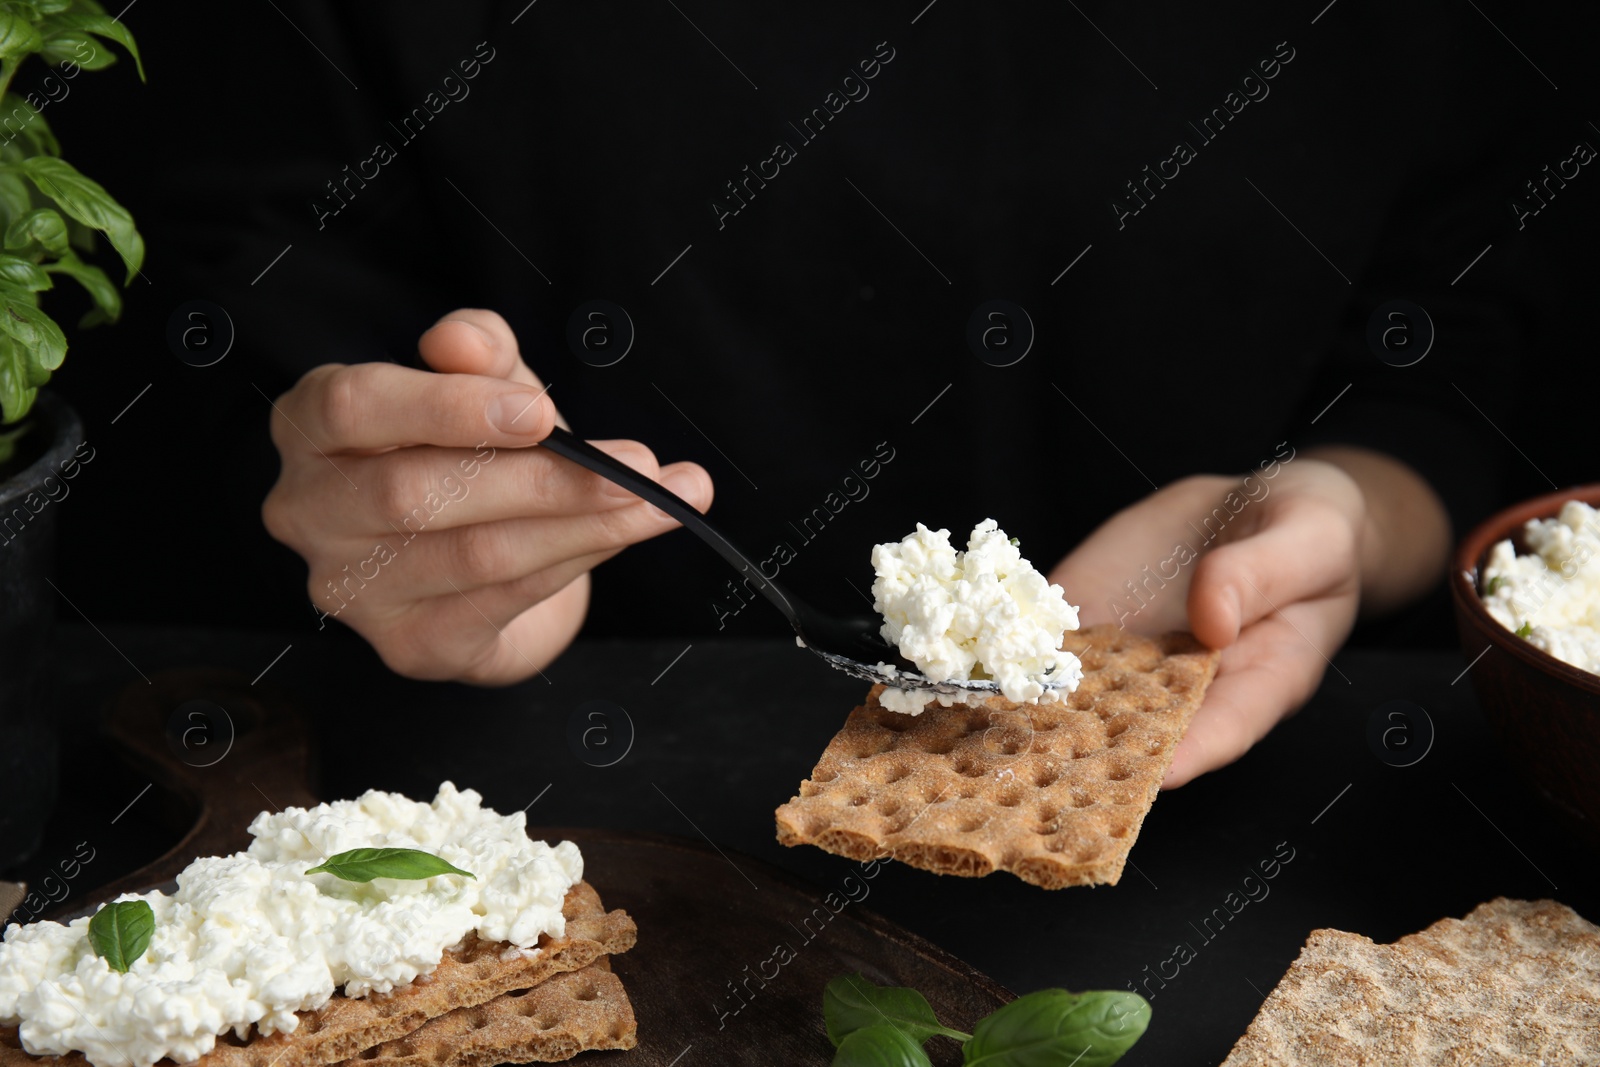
(615, 491)
(479, 330)
(515, 412)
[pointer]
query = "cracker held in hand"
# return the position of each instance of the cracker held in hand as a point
(470, 975)
(1516, 982)
(1052, 792)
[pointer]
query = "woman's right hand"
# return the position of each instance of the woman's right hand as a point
(430, 525)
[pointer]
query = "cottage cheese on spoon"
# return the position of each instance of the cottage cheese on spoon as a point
(251, 938)
(985, 613)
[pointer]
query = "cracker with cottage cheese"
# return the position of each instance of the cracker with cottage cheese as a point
(1054, 792)
(572, 1012)
(272, 958)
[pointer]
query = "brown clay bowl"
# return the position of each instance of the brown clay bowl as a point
(1545, 713)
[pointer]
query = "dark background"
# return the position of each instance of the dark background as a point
(809, 329)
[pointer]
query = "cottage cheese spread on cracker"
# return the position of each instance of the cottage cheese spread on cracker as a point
(985, 613)
(1552, 596)
(251, 938)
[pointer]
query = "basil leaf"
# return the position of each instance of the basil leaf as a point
(120, 933)
(104, 27)
(42, 344)
(31, 126)
(880, 1046)
(365, 864)
(107, 300)
(850, 1003)
(41, 224)
(1055, 1028)
(16, 395)
(15, 200)
(17, 35)
(88, 202)
(23, 273)
(63, 46)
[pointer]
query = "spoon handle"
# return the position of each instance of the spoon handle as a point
(581, 452)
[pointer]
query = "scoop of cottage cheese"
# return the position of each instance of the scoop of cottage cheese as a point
(251, 938)
(1552, 596)
(985, 613)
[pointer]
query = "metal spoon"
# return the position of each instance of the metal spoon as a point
(852, 645)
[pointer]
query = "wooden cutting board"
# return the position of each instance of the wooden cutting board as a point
(732, 954)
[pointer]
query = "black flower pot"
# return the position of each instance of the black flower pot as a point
(30, 501)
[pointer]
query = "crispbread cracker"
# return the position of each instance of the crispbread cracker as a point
(469, 975)
(562, 1016)
(1052, 792)
(1515, 982)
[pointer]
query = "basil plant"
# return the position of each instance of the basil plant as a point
(49, 212)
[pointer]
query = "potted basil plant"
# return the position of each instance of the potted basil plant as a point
(51, 217)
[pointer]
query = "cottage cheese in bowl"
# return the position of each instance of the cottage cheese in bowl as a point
(984, 613)
(1551, 597)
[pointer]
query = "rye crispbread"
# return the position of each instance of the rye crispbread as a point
(1052, 792)
(564, 1015)
(1516, 982)
(475, 972)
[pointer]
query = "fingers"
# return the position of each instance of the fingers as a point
(475, 341)
(1305, 548)
(1129, 570)
(1259, 681)
(485, 554)
(414, 488)
(369, 407)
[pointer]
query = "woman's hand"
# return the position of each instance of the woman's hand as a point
(1271, 574)
(430, 525)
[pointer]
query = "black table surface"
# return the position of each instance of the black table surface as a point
(723, 732)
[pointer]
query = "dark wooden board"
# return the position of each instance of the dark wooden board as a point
(732, 954)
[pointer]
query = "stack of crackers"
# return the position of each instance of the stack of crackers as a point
(1054, 792)
(1515, 982)
(488, 1002)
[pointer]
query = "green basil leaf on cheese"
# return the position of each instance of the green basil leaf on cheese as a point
(120, 933)
(365, 864)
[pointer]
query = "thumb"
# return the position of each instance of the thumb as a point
(475, 341)
(1302, 549)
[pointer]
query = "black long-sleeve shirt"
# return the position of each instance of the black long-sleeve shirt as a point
(805, 215)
